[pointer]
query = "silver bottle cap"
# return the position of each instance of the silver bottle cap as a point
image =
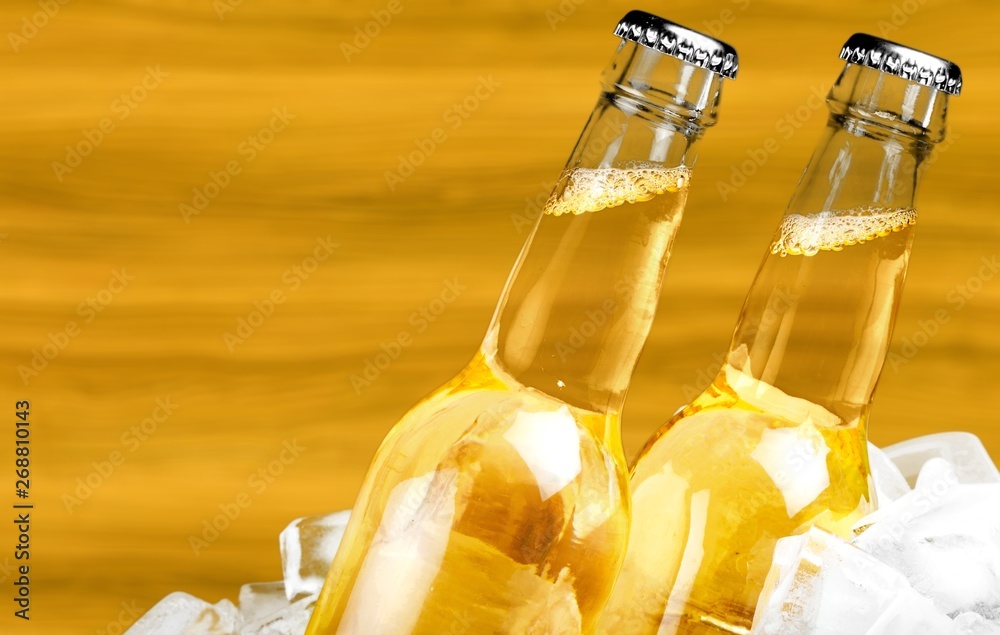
(896, 59)
(677, 41)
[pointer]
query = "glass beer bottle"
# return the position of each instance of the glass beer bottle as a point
(500, 503)
(777, 443)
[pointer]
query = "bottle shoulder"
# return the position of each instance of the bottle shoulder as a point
(736, 408)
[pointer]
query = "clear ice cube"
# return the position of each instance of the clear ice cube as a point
(183, 614)
(944, 537)
(890, 483)
(290, 620)
(975, 624)
(308, 546)
(963, 450)
(261, 599)
(821, 585)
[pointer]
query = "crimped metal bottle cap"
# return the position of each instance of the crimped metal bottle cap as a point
(677, 41)
(896, 59)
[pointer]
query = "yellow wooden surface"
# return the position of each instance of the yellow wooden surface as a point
(161, 337)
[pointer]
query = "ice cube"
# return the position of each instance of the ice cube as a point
(975, 624)
(944, 537)
(222, 619)
(290, 620)
(308, 546)
(821, 585)
(261, 599)
(963, 450)
(183, 614)
(936, 478)
(890, 483)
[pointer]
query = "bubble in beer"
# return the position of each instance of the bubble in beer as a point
(807, 235)
(594, 189)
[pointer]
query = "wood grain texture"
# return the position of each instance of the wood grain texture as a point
(323, 178)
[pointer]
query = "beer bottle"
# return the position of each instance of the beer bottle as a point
(500, 503)
(777, 443)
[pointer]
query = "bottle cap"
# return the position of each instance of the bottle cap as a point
(902, 61)
(677, 41)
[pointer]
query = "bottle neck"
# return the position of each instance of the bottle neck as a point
(880, 133)
(580, 301)
(818, 320)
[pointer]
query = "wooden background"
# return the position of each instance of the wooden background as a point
(127, 542)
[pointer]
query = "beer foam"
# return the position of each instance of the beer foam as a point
(807, 235)
(594, 189)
